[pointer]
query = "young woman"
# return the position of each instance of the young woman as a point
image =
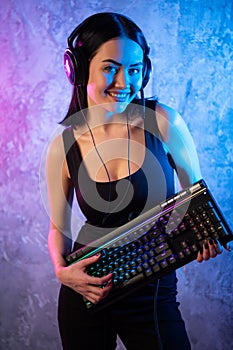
(118, 155)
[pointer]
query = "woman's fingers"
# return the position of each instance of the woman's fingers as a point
(228, 246)
(88, 261)
(99, 281)
(210, 249)
(92, 288)
(218, 247)
(96, 293)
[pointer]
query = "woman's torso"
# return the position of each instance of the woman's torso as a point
(112, 203)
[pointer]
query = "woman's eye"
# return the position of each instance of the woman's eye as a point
(134, 71)
(110, 69)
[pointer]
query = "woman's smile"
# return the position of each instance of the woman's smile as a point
(118, 96)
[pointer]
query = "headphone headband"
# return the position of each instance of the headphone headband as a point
(76, 63)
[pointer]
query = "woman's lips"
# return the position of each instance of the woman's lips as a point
(118, 96)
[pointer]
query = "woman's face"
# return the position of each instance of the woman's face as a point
(115, 75)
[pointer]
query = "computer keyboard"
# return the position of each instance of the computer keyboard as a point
(155, 243)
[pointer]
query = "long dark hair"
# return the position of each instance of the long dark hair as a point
(91, 34)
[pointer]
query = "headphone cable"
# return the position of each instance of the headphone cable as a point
(108, 212)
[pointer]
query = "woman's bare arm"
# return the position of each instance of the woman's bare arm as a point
(60, 191)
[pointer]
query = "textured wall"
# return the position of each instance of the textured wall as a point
(191, 50)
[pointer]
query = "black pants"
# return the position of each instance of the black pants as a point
(132, 318)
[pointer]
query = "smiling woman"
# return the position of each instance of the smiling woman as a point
(118, 155)
(118, 77)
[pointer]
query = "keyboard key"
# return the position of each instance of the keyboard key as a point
(148, 272)
(164, 254)
(163, 263)
(172, 259)
(161, 247)
(155, 268)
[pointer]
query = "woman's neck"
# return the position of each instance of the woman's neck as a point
(99, 117)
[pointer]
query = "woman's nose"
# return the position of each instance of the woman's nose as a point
(121, 79)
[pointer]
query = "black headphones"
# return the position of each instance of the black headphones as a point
(147, 69)
(76, 63)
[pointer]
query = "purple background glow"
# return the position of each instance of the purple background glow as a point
(192, 54)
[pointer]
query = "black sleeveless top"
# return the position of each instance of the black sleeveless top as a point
(111, 204)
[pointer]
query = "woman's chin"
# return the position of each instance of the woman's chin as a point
(116, 107)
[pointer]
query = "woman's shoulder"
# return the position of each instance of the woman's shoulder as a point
(168, 120)
(167, 112)
(162, 110)
(56, 147)
(56, 156)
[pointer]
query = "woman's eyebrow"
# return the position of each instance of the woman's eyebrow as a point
(120, 64)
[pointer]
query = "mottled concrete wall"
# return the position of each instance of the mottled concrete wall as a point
(191, 50)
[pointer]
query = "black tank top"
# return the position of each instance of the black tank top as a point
(108, 205)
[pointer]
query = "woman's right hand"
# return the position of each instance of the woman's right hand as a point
(75, 277)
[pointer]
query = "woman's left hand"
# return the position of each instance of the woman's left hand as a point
(211, 248)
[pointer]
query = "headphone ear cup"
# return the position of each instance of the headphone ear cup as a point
(69, 65)
(147, 71)
(75, 65)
